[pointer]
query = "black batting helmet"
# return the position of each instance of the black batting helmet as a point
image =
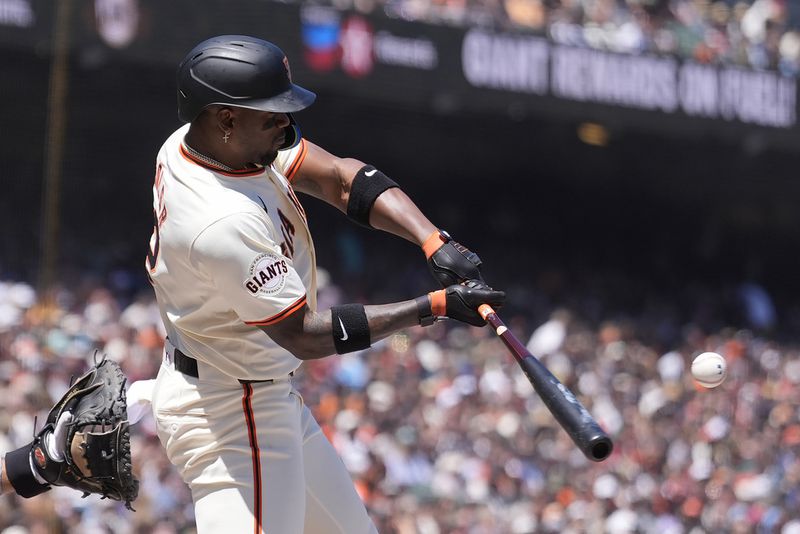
(242, 71)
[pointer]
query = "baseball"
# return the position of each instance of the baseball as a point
(709, 369)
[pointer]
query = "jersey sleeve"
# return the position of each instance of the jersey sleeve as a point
(248, 270)
(288, 161)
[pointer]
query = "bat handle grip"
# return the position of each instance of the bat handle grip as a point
(485, 310)
(500, 328)
(491, 317)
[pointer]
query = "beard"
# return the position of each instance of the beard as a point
(268, 157)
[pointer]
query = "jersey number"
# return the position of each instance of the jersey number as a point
(287, 229)
(159, 214)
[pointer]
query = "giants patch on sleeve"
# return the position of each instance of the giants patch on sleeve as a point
(267, 275)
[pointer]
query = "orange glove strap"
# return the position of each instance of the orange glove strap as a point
(438, 303)
(432, 243)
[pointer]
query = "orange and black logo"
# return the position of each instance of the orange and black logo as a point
(267, 275)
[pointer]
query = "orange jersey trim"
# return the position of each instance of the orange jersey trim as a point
(298, 160)
(296, 305)
(247, 406)
(234, 174)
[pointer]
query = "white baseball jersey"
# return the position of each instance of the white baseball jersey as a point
(230, 251)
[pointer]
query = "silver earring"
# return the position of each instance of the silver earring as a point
(226, 136)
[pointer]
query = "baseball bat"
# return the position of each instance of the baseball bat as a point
(562, 403)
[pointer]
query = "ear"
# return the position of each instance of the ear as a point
(225, 117)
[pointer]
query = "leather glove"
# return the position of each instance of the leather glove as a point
(85, 443)
(449, 261)
(460, 302)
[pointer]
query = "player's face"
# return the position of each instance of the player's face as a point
(260, 134)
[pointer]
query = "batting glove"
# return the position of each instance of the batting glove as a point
(461, 301)
(451, 262)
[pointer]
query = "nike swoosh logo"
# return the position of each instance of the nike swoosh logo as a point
(370, 173)
(344, 332)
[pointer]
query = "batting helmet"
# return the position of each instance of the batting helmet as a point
(242, 71)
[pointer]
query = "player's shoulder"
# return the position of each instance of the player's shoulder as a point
(222, 207)
(234, 229)
(173, 142)
(289, 160)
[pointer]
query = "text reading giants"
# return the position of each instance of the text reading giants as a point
(267, 275)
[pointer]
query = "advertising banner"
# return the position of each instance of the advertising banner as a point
(440, 68)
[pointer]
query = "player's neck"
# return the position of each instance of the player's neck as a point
(198, 142)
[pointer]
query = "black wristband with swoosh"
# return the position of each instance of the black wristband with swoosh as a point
(350, 328)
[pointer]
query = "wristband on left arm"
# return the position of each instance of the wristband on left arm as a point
(368, 184)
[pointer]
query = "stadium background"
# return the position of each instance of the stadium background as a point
(637, 236)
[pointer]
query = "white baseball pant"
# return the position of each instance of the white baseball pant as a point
(254, 457)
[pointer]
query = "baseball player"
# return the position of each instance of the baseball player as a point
(233, 267)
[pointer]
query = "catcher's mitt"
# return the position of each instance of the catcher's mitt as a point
(96, 441)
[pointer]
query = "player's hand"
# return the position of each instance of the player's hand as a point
(451, 262)
(461, 301)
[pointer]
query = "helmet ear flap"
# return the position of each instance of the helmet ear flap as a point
(292, 133)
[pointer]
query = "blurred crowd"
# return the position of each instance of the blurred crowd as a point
(441, 431)
(754, 33)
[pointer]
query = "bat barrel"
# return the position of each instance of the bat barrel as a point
(573, 417)
(562, 403)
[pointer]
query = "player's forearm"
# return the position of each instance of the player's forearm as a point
(312, 335)
(383, 320)
(396, 213)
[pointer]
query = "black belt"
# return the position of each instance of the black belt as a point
(188, 366)
(184, 363)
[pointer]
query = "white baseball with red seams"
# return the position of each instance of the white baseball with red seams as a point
(709, 369)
